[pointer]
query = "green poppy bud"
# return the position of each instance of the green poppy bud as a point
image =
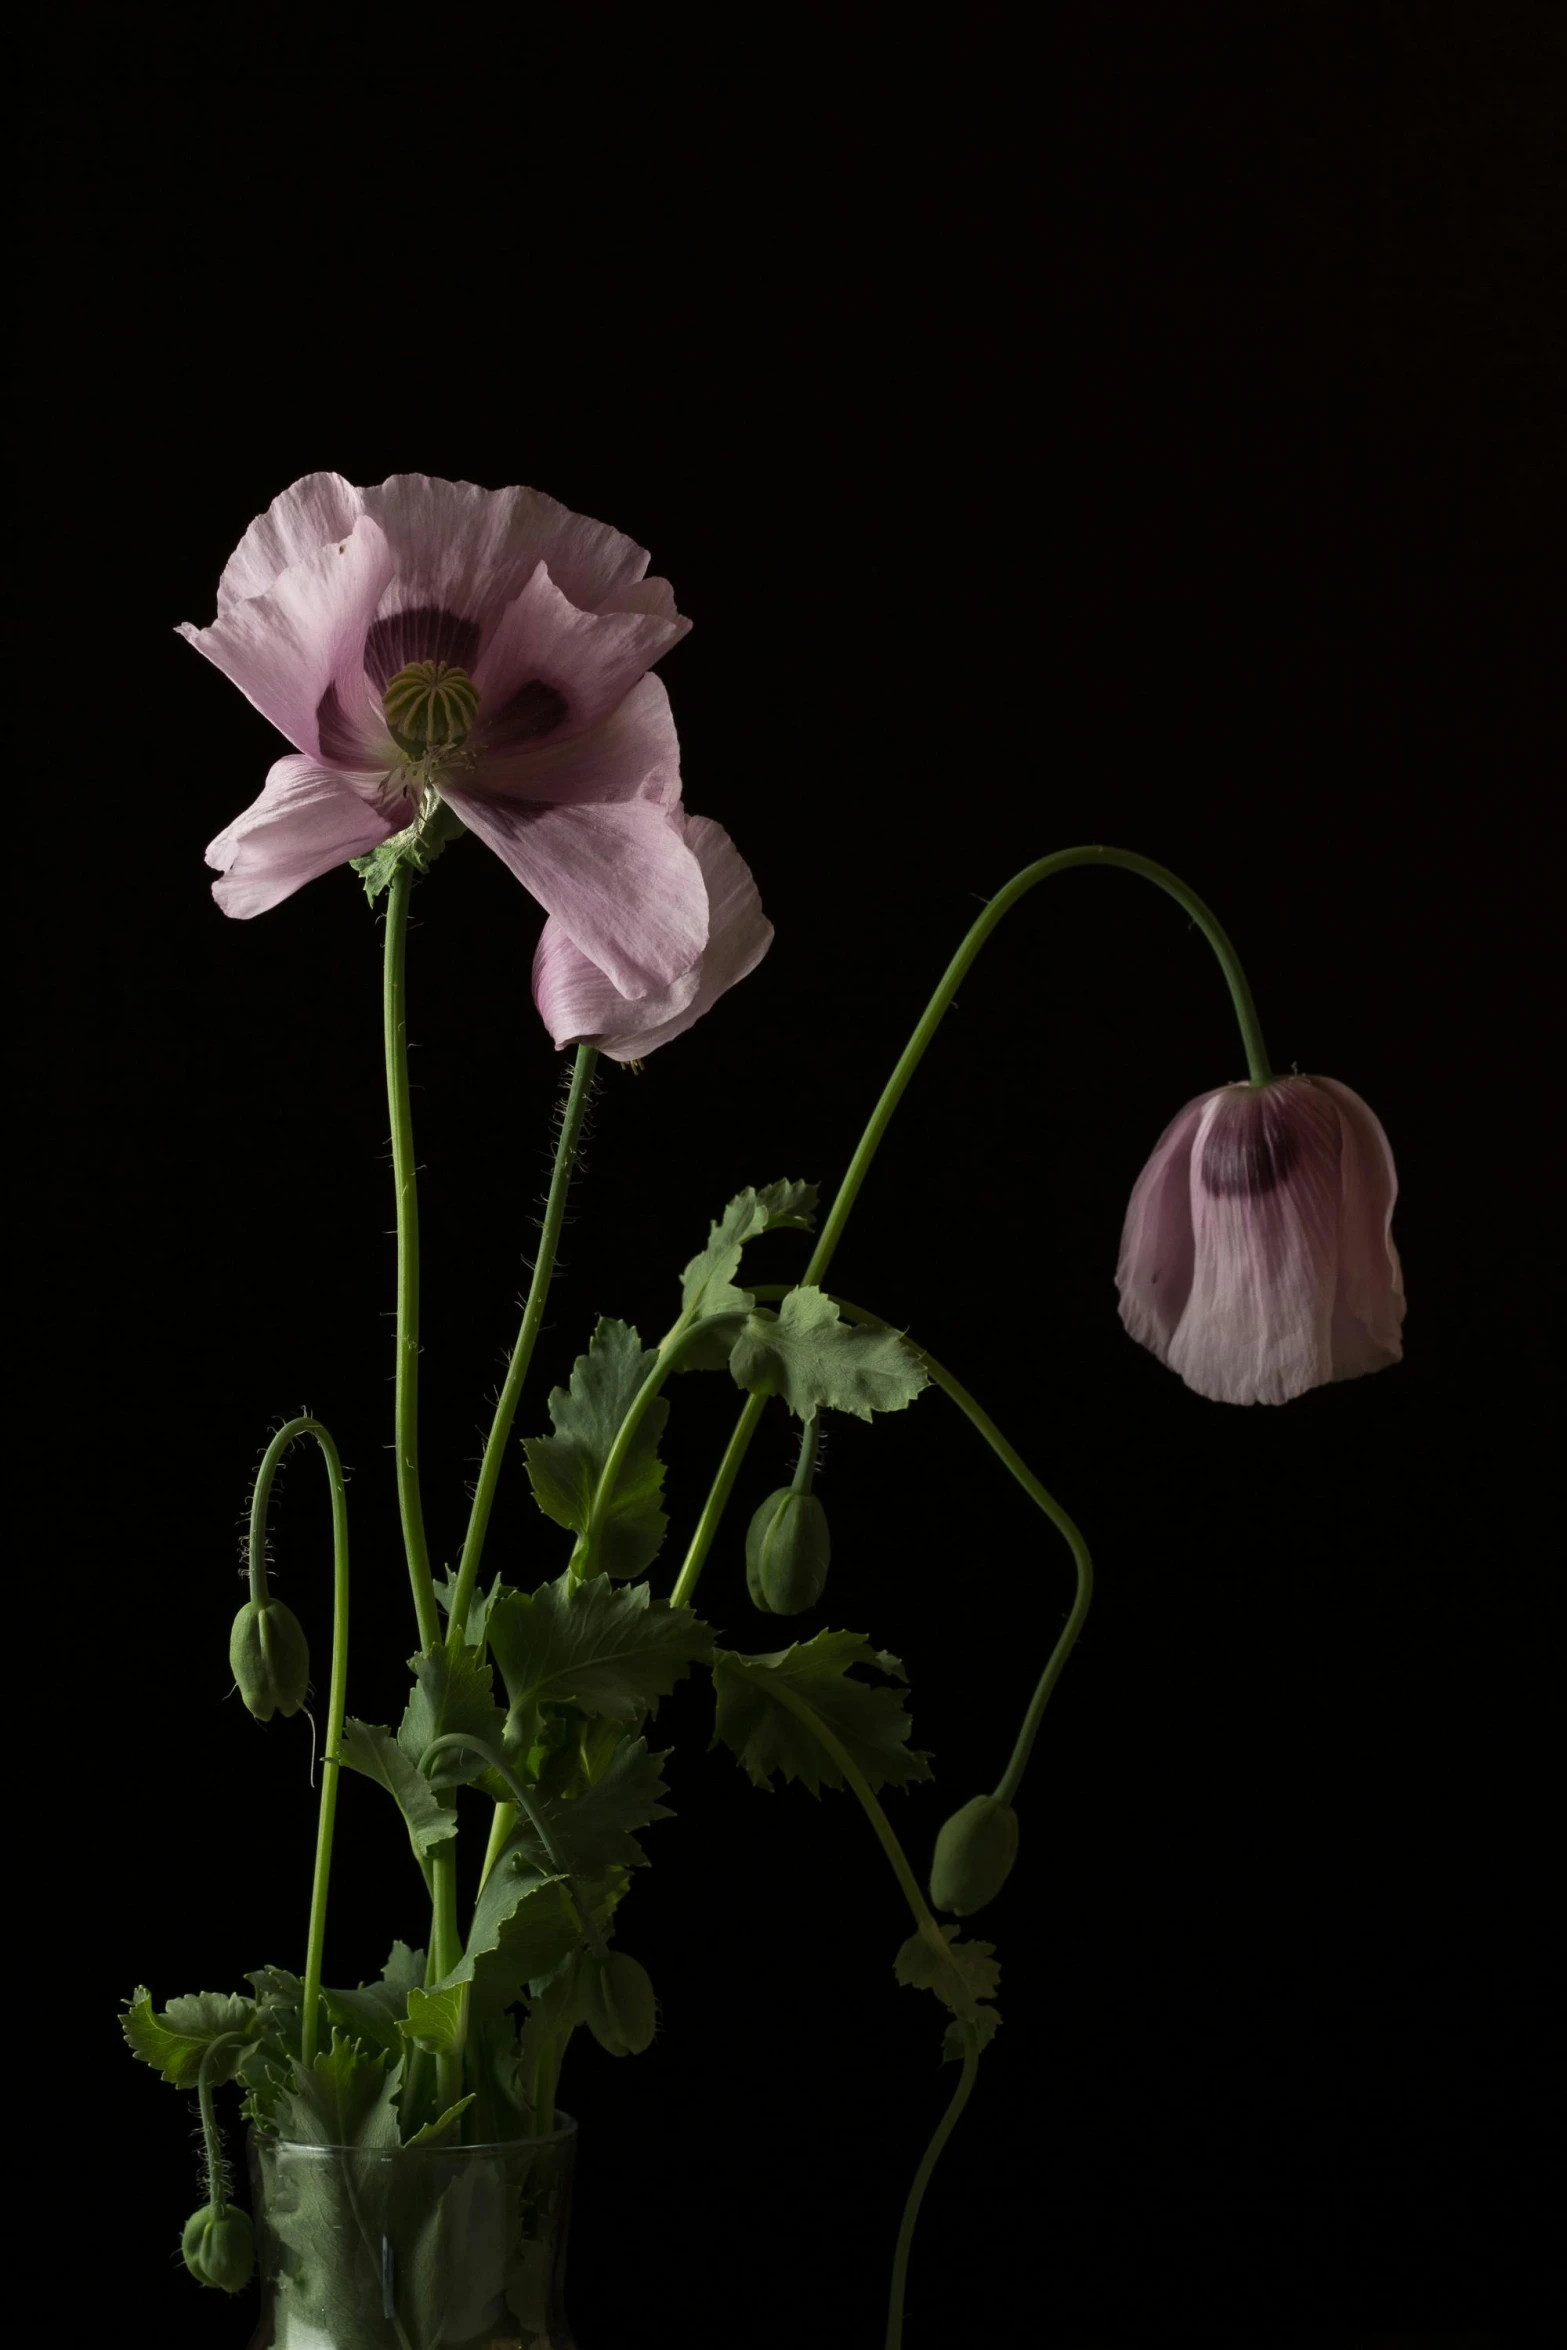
(787, 1549)
(219, 2250)
(974, 1855)
(618, 2005)
(269, 1658)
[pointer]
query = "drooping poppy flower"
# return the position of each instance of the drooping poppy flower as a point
(430, 644)
(1257, 1256)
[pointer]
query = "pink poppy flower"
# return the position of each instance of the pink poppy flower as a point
(1257, 1256)
(429, 643)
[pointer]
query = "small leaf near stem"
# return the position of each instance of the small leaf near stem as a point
(909, 1060)
(567, 1141)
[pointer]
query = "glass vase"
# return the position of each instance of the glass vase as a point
(413, 2247)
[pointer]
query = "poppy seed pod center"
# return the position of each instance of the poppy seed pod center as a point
(430, 707)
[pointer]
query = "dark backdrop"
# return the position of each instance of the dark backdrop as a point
(1150, 439)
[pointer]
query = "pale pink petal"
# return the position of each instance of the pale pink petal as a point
(297, 643)
(626, 888)
(1368, 1302)
(550, 670)
(1154, 1275)
(298, 523)
(648, 595)
(579, 1005)
(471, 551)
(307, 820)
(1264, 1191)
(633, 754)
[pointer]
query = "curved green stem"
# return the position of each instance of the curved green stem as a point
(892, 1093)
(941, 1377)
(522, 1353)
(911, 2209)
(337, 1695)
(957, 970)
(680, 1341)
(717, 1501)
(931, 1933)
(805, 1465)
(410, 1506)
(886, 1834)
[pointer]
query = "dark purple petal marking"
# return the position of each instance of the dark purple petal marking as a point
(534, 710)
(425, 632)
(1249, 1148)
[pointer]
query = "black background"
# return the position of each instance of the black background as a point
(1152, 439)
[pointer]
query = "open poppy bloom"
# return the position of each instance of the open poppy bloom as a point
(1257, 1256)
(429, 645)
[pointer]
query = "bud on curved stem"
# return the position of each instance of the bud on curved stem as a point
(974, 1854)
(216, 2245)
(263, 1620)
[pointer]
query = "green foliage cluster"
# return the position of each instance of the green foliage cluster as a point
(543, 1709)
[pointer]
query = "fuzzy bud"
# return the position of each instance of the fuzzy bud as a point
(974, 1855)
(787, 1550)
(219, 2249)
(269, 1658)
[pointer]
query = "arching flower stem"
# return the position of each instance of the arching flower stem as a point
(337, 1694)
(892, 1093)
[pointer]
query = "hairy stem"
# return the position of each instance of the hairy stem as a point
(410, 1506)
(522, 1352)
(337, 1696)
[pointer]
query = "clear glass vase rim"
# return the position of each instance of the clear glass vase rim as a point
(562, 2134)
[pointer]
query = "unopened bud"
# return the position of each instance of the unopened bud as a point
(269, 1658)
(219, 2249)
(619, 2008)
(974, 1855)
(787, 1550)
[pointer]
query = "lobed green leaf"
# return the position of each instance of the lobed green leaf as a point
(707, 1282)
(818, 1362)
(768, 1735)
(567, 1468)
(963, 1975)
(451, 1694)
(373, 2013)
(175, 2039)
(430, 1817)
(347, 2097)
(611, 1650)
(591, 1832)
